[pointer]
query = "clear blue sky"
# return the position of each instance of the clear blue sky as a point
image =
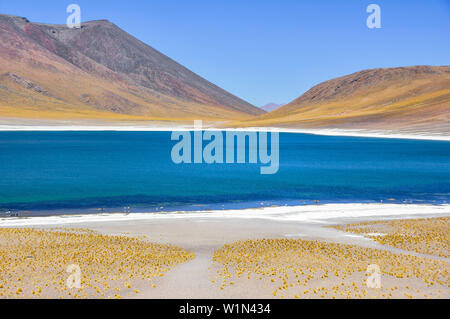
(270, 50)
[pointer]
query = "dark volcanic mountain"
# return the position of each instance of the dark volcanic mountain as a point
(100, 71)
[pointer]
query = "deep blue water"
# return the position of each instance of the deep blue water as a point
(72, 171)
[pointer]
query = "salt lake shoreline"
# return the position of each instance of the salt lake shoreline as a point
(69, 127)
(204, 231)
(320, 214)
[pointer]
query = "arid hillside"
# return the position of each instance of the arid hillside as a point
(407, 98)
(100, 72)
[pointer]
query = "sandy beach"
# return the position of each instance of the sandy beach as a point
(205, 233)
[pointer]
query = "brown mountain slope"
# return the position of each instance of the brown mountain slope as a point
(100, 72)
(406, 98)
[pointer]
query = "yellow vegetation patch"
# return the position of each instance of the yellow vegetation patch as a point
(315, 269)
(33, 263)
(426, 236)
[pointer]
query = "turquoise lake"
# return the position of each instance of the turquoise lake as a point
(68, 172)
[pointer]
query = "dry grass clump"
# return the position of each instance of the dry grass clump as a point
(33, 263)
(314, 269)
(426, 236)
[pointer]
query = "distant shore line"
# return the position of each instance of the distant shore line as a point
(316, 214)
(142, 128)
